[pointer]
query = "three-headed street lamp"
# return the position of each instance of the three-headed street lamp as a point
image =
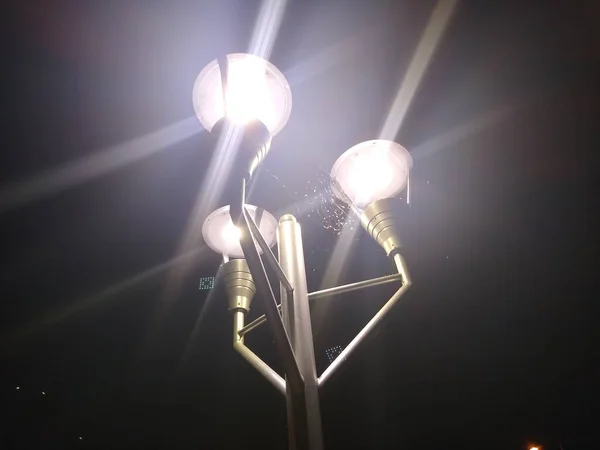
(247, 96)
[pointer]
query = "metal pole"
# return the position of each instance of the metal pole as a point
(354, 286)
(296, 319)
(296, 407)
(270, 257)
(373, 323)
(255, 323)
(329, 292)
(263, 287)
(238, 343)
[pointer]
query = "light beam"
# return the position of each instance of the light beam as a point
(414, 74)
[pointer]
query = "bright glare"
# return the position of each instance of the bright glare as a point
(431, 37)
(231, 234)
(247, 97)
(370, 171)
(370, 175)
(221, 234)
(255, 89)
(534, 448)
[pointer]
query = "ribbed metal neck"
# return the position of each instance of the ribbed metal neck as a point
(380, 220)
(239, 285)
(253, 140)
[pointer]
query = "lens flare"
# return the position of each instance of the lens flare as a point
(255, 89)
(231, 234)
(370, 171)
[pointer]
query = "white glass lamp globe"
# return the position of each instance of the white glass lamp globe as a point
(222, 236)
(255, 89)
(370, 171)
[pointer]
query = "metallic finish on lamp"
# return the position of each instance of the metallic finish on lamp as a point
(269, 256)
(243, 101)
(373, 323)
(253, 143)
(296, 316)
(263, 368)
(239, 285)
(330, 292)
(380, 220)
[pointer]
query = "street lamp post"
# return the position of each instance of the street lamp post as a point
(247, 96)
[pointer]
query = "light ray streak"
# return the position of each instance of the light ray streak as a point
(263, 39)
(414, 74)
(412, 78)
(482, 122)
(208, 303)
(324, 60)
(90, 167)
(213, 185)
(344, 244)
(266, 28)
(463, 131)
(110, 293)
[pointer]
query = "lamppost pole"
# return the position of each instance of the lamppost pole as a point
(296, 318)
(249, 96)
(298, 428)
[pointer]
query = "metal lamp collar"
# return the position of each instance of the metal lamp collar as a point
(380, 220)
(253, 139)
(239, 285)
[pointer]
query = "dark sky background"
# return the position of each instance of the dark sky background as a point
(494, 347)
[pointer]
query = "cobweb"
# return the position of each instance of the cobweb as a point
(317, 199)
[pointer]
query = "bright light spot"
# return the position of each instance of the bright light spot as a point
(247, 97)
(80, 438)
(18, 387)
(370, 171)
(370, 175)
(534, 448)
(255, 89)
(43, 393)
(231, 234)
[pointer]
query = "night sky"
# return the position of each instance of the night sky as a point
(494, 346)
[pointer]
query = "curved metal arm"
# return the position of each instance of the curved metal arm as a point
(373, 323)
(238, 343)
(255, 323)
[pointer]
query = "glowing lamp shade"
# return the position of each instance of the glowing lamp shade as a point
(370, 171)
(255, 89)
(221, 235)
